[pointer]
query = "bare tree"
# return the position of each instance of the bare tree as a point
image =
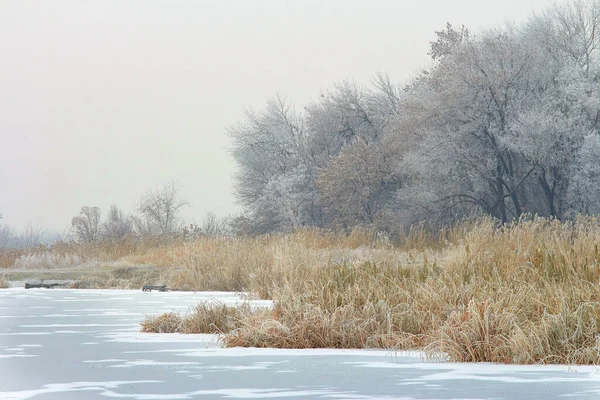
(86, 225)
(117, 226)
(213, 225)
(160, 208)
(31, 236)
(140, 226)
(6, 235)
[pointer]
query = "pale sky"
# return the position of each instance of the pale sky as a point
(103, 100)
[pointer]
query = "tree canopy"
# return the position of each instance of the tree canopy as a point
(503, 122)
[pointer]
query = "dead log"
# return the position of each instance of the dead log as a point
(43, 285)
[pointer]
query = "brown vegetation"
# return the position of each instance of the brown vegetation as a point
(520, 293)
(206, 317)
(165, 323)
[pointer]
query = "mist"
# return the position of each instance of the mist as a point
(104, 100)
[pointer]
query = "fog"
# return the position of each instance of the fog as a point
(103, 100)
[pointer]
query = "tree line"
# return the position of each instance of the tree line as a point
(158, 214)
(503, 122)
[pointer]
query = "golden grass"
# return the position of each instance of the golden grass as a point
(521, 293)
(3, 282)
(209, 317)
(526, 292)
(164, 323)
(8, 257)
(206, 317)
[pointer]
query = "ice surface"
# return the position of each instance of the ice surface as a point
(54, 345)
(67, 387)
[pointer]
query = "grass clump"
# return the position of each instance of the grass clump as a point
(3, 282)
(165, 323)
(206, 317)
(301, 326)
(209, 317)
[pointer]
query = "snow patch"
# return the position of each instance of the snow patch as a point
(16, 356)
(26, 334)
(68, 387)
(230, 393)
(151, 363)
(135, 336)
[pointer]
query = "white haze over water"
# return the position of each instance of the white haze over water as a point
(103, 100)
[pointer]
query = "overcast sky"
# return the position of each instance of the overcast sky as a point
(102, 100)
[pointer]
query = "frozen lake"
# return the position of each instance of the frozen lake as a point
(85, 344)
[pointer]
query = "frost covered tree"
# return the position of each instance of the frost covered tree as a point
(292, 198)
(457, 117)
(349, 112)
(504, 122)
(570, 30)
(281, 153)
(269, 148)
(584, 196)
(497, 125)
(353, 186)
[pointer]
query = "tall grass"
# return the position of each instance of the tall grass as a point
(520, 293)
(526, 292)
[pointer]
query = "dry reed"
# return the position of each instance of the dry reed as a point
(165, 323)
(206, 317)
(521, 293)
(525, 292)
